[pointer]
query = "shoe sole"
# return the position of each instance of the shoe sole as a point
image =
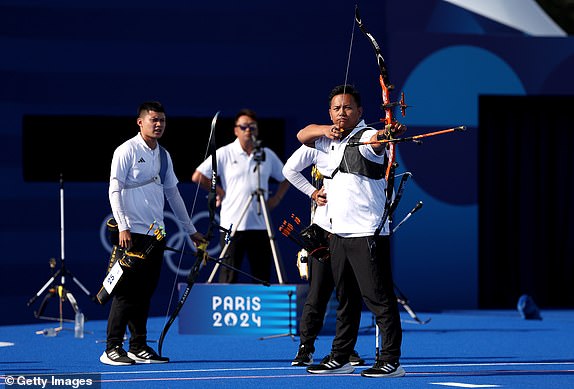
(400, 372)
(142, 360)
(107, 361)
(302, 363)
(345, 369)
(299, 364)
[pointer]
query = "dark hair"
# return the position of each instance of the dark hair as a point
(347, 90)
(246, 112)
(148, 106)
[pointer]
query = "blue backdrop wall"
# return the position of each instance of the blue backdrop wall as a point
(280, 58)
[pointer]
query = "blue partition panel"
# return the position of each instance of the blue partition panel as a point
(239, 309)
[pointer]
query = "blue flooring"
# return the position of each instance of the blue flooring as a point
(468, 349)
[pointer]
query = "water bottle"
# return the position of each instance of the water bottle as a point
(49, 332)
(79, 325)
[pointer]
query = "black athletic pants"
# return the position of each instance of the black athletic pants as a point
(257, 246)
(362, 272)
(132, 296)
(321, 286)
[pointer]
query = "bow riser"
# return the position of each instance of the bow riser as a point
(201, 253)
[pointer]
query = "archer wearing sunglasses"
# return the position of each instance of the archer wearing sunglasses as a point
(243, 168)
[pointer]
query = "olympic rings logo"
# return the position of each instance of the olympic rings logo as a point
(178, 239)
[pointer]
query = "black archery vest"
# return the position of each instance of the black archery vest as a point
(353, 162)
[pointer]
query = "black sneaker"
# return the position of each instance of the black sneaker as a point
(355, 359)
(304, 356)
(146, 355)
(384, 369)
(330, 364)
(116, 356)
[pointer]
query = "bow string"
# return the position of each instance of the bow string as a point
(202, 254)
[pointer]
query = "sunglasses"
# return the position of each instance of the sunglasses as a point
(252, 127)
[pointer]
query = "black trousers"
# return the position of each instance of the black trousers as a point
(321, 286)
(256, 245)
(362, 272)
(132, 295)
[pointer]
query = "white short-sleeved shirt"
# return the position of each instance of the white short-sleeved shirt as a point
(356, 203)
(240, 179)
(302, 158)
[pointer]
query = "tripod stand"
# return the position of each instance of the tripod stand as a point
(290, 333)
(259, 196)
(55, 288)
